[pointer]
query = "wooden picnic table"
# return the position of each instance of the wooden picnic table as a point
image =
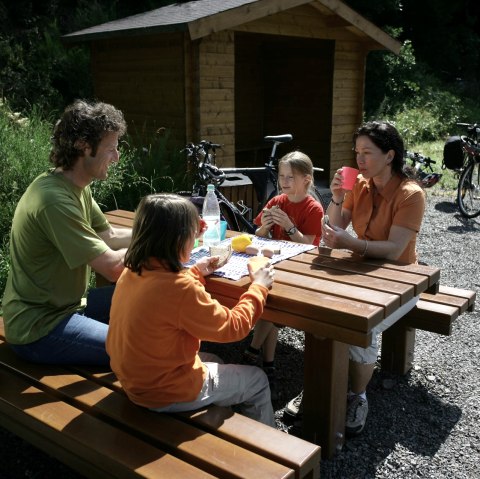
(336, 298)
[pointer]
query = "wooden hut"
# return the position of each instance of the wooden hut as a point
(233, 71)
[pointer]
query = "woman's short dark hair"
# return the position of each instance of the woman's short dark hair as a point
(163, 225)
(81, 123)
(386, 137)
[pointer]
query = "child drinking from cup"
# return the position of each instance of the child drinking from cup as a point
(292, 215)
(161, 312)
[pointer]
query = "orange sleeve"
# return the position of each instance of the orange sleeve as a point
(206, 319)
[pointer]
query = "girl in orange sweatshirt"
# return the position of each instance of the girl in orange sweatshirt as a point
(161, 312)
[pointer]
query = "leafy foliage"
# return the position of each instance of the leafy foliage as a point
(154, 165)
(425, 91)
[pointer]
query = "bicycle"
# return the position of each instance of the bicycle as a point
(264, 180)
(201, 158)
(423, 168)
(468, 192)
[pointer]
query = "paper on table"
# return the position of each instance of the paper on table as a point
(236, 267)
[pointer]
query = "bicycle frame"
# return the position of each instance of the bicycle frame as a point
(264, 180)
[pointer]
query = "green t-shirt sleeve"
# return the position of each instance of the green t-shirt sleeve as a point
(99, 222)
(72, 234)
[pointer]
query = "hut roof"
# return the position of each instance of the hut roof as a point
(203, 17)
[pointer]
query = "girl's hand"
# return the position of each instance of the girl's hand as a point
(209, 264)
(263, 276)
(338, 192)
(202, 227)
(281, 219)
(267, 220)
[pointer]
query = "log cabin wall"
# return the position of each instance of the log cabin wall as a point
(144, 77)
(348, 92)
(217, 93)
(327, 106)
(300, 70)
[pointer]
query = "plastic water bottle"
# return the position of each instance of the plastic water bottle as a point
(211, 214)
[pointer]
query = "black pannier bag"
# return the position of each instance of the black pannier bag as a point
(453, 153)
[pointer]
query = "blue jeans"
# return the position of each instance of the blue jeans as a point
(78, 339)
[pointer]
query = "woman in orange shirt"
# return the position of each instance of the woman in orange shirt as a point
(161, 312)
(385, 208)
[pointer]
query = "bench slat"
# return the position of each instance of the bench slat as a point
(183, 440)
(302, 456)
(468, 294)
(433, 317)
(442, 299)
(82, 441)
(293, 452)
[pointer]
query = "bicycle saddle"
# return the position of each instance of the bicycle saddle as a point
(279, 138)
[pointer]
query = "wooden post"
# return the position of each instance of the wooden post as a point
(325, 393)
(398, 346)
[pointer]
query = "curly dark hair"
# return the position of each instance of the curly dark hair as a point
(163, 225)
(81, 123)
(387, 137)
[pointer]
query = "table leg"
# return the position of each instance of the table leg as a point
(325, 393)
(398, 346)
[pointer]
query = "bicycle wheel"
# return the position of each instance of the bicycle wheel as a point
(468, 195)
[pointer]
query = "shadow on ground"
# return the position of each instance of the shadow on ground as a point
(408, 415)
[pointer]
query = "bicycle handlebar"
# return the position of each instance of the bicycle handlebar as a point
(419, 158)
(472, 129)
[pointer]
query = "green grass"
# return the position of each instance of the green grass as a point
(448, 183)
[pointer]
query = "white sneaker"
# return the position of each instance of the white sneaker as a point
(357, 411)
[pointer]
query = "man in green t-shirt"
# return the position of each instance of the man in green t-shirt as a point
(58, 234)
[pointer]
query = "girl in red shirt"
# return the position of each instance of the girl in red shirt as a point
(293, 215)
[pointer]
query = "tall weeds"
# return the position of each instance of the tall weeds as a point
(151, 165)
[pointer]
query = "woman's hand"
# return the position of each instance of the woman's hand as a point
(209, 264)
(263, 276)
(336, 238)
(338, 193)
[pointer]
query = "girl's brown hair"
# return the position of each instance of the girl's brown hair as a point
(300, 163)
(163, 225)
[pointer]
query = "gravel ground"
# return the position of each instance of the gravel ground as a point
(423, 425)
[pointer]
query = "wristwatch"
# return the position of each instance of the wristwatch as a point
(291, 231)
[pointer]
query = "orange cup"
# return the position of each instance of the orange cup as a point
(349, 177)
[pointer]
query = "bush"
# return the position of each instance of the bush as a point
(154, 165)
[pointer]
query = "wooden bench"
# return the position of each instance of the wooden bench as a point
(433, 312)
(82, 417)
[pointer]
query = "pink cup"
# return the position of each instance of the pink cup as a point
(349, 177)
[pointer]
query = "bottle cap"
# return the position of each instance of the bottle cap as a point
(211, 188)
